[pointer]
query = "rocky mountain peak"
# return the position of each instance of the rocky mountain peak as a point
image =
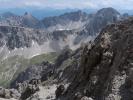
(28, 20)
(27, 14)
(102, 18)
(108, 10)
(29, 17)
(75, 16)
(8, 14)
(108, 13)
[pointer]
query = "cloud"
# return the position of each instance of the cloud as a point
(34, 3)
(62, 4)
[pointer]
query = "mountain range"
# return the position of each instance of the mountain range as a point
(22, 33)
(75, 50)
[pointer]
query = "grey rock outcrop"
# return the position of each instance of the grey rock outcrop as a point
(59, 91)
(9, 93)
(29, 91)
(86, 98)
(33, 75)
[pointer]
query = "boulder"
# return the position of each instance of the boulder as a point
(86, 98)
(59, 91)
(15, 94)
(7, 93)
(31, 89)
(77, 96)
(1, 92)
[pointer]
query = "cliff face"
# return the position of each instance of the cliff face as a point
(106, 66)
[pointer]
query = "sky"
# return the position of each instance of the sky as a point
(71, 4)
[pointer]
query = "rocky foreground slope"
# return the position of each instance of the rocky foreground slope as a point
(106, 70)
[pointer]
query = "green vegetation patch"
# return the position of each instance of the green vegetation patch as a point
(11, 67)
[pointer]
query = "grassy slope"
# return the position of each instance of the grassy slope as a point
(12, 66)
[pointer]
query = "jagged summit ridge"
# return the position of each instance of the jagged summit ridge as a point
(106, 66)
